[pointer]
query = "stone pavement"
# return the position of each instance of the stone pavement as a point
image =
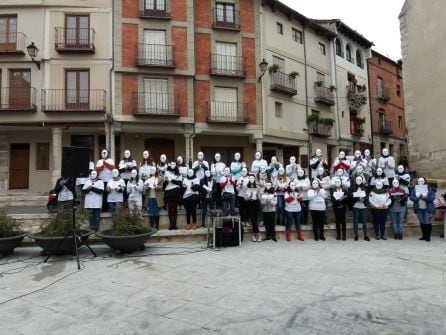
(331, 287)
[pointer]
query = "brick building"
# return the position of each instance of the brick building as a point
(387, 105)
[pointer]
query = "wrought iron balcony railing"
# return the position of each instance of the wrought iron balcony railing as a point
(74, 40)
(232, 66)
(12, 43)
(324, 95)
(225, 18)
(18, 99)
(383, 94)
(156, 55)
(357, 126)
(385, 127)
(318, 129)
(283, 83)
(61, 100)
(161, 104)
(155, 9)
(227, 112)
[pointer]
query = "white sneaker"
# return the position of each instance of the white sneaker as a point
(259, 238)
(253, 238)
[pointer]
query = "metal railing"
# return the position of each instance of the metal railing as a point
(356, 127)
(223, 65)
(12, 42)
(383, 93)
(225, 18)
(156, 55)
(59, 100)
(324, 95)
(283, 83)
(231, 112)
(18, 98)
(148, 103)
(155, 9)
(318, 129)
(74, 39)
(385, 127)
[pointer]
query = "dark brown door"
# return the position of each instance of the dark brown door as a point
(159, 146)
(20, 88)
(8, 33)
(19, 166)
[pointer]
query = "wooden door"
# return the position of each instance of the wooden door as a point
(77, 83)
(19, 166)
(20, 88)
(159, 146)
(8, 33)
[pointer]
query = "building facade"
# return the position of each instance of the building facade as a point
(387, 106)
(62, 97)
(424, 101)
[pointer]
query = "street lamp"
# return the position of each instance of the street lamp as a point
(263, 66)
(32, 52)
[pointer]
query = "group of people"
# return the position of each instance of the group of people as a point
(264, 193)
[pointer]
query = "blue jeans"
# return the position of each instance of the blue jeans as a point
(296, 216)
(359, 215)
(424, 216)
(153, 209)
(113, 207)
(397, 221)
(205, 204)
(95, 218)
(379, 221)
(228, 204)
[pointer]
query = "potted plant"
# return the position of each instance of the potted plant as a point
(332, 88)
(313, 118)
(129, 232)
(293, 74)
(318, 83)
(56, 236)
(273, 68)
(10, 235)
(327, 121)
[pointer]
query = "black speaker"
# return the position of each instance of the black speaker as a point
(75, 162)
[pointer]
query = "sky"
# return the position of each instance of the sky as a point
(376, 20)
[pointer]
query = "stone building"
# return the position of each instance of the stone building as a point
(387, 105)
(424, 65)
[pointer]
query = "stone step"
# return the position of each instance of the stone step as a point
(23, 200)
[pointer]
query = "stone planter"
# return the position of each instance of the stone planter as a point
(8, 244)
(126, 243)
(60, 245)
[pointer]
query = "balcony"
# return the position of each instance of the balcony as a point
(226, 19)
(18, 99)
(385, 127)
(156, 104)
(283, 83)
(156, 55)
(60, 100)
(230, 66)
(356, 96)
(324, 95)
(383, 94)
(12, 43)
(227, 112)
(154, 9)
(74, 40)
(357, 126)
(319, 129)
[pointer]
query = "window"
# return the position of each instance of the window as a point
(382, 118)
(338, 46)
(348, 53)
(398, 90)
(77, 86)
(77, 30)
(155, 5)
(43, 156)
(279, 28)
(225, 58)
(20, 88)
(296, 35)
(278, 109)
(225, 104)
(400, 122)
(225, 14)
(155, 48)
(322, 48)
(320, 77)
(156, 97)
(359, 61)
(380, 86)
(280, 62)
(8, 33)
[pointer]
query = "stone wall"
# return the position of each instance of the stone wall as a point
(4, 163)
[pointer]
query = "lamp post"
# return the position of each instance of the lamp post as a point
(32, 52)
(263, 66)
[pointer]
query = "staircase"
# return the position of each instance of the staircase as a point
(23, 198)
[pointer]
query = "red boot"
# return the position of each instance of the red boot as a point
(300, 237)
(288, 235)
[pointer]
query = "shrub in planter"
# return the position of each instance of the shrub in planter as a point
(273, 68)
(129, 233)
(318, 83)
(332, 88)
(327, 121)
(294, 74)
(10, 235)
(313, 118)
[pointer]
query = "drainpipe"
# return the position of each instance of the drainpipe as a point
(370, 105)
(306, 97)
(334, 81)
(110, 140)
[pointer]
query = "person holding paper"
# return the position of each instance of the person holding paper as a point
(379, 201)
(339, 199)
(339, 173)
(398, 195)
(293, 209)
(303, 185)
(317, 161)
(423, 197)
(358, 196)
(280, 185)
(379, 175)
(317, 206)
(268, 200)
